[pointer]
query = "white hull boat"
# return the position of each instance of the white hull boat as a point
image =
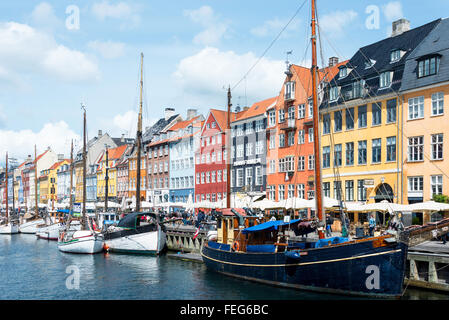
(31, 226)
(132, 236)
(82, 241)
(48, 232)
(9, 228)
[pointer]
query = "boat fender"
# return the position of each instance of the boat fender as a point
(106, 247)
(236, 246)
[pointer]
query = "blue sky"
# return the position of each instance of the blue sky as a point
(193, 50)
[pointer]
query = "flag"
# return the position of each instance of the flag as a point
(196, 233)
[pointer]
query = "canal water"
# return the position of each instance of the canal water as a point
(34, 269)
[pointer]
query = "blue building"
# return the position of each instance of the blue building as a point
(184, 137)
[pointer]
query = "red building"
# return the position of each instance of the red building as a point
(210, 158)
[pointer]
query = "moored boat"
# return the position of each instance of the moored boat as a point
(9, 226)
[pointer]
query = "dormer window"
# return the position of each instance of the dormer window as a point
(333, 93)
(385, 79)
(428, 66)
(370, 63)
(289, 90)
(343, 72)
(396, 55)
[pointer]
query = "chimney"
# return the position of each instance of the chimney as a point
(245, 108)
(100, 133)
(169, 112)
(400, 26)
(191, 113)
(122, 139)
(60, 157)
(29, 158)
(333, 61)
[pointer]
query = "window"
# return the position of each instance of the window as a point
(385, 79)
(197, 178)
(259, 147)
(326, 157)
(239, 177)
(437, 103)
(391, 148)
(281, 115)
(310, 134)
(327, 189)
(349, 190)
(377, 150)
(415, 184)
(362, 155)
(391, 111)
(240, 151)
(272, 118)
(337, 155)
(349, 118)
(338, 123)
(259, 176)
(272, 192)
(207, 177)
(281, 140)
(301, 191)
(239, 131)
(259, 125)
(249, 176)
(337, 190)
(301, 163)
(289, 90)
(311, 162)
(436, 185)
(357, 88)
(249, 128)
(301, 111)
(287, 164)
(428, 67)
(291, 112)
(272, 166)
(301, 137)
(202, 177)
(376, 111)
(333, 93)
(281, 192)
(437, 146)
(361, 191)
(249, 149)
(311, 109)
(272, 142)
(395, 55)
(291, 138)
(291, 191)
(212, 176)
(219, 176)
(362, 117)
(416, 108)
(416, 149)
(350, 153)
(343, 72)
(326, 123)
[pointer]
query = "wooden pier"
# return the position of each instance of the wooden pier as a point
(428, 266)
(180, 238)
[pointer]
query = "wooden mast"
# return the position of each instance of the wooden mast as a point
(106, 187)
(71, 177)
(316, 137)
(228, 153)
(84, 171)
(36, 209)
(139, 137)
(6, 181)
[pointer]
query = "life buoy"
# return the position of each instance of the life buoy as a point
(236, 246)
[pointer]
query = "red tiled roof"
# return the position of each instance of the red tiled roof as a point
(54, 166)
(183, 124)
(256, 109)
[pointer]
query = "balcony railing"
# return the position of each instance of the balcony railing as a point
(289, 124)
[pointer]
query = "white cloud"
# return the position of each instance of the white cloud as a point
(2, 117)
(122, 11)
(214, 29)
(126, 123)
(27, 51)
(273, 27)
(208, 71)
(393, 11)
(108, 49)
(21, 143)
(334, 23)
(44, 16)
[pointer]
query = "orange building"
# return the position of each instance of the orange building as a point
(290, 156)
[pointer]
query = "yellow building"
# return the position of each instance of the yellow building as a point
(43, 186)
(114, 156)
(48, 184)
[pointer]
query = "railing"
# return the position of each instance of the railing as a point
(290, 124)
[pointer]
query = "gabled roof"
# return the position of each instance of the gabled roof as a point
(184, 124)
(40, 156)
(57, 164)
(221, 117)
(157, 127)
(114, 153)
(256, 109)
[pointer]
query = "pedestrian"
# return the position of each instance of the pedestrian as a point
(372, 225)
(329, 222)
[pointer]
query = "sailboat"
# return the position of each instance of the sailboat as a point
(32, 221)
(85, 240)
(138, 232)
(262, 252)
(9, 227)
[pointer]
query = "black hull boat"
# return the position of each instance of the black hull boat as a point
(371, 267)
